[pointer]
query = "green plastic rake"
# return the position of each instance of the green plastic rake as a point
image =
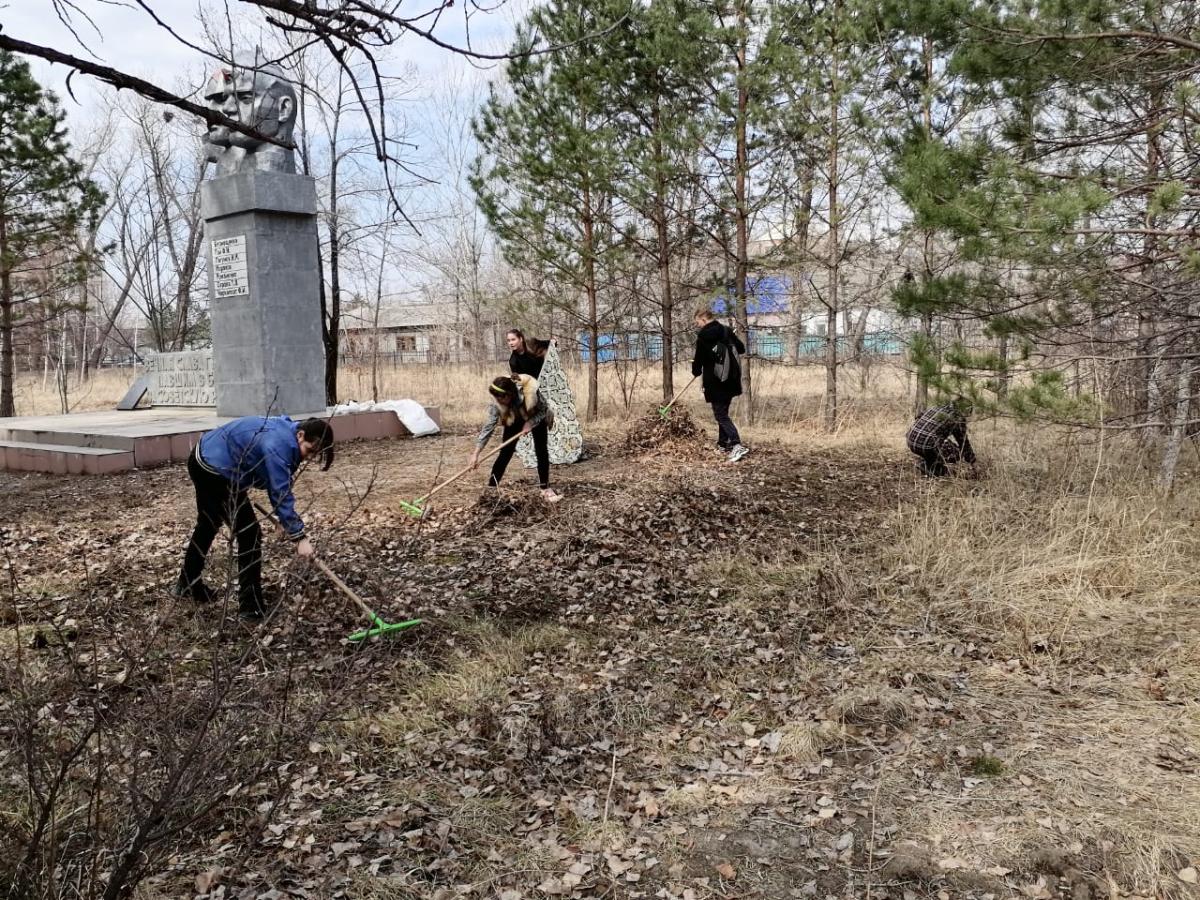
(663, 410)
(417, 507)
(378, 626)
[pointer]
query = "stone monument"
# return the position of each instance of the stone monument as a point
(260, 223)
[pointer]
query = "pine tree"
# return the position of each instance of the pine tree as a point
(1076, 201)
(44, 200)
(921, 37)
(672, 52)
(546, 177)
(825, 116)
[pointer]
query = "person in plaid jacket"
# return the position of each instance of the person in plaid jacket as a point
(939, 438)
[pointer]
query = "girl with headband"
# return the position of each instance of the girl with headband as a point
(519, 409)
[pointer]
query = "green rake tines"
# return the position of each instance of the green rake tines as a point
(378, 625)
(413, 509)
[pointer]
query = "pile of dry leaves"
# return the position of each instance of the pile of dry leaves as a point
(675, 432)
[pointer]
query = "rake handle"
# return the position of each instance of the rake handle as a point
(346, 589)
(678, 395)
(331, 575)
(453, 478)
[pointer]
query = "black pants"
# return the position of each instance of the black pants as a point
(936, 461)
(218, 503)
(540, 435)
(727, 433)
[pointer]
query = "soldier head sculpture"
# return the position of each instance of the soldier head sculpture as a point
(259, 96)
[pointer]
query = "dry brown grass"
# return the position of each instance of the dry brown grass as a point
(788, 398)
(1076, 578)
(34, 395)
(1085, 581)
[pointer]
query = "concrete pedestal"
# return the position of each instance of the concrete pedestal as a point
(264, 294)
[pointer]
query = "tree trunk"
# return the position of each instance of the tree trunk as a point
(803, 227)
(104, 330)
(589, 277)
(61, 372)
(375, 323)
(332, 307)
(921, 403)
(831, 351)
(1151, 393)
(664, 266)
(742, 166)
(183, 290)
(1183, 405)
(7, 360)
(1002, 353)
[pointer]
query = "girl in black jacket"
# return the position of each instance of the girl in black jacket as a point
(527, 355)
(710, 337)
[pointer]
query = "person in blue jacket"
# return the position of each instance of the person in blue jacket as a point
(256, 451)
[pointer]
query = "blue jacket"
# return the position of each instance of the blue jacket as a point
(259, 452)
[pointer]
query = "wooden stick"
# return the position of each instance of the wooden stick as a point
(345, 588)
(464, 471)
(329, 573)
(677, 396)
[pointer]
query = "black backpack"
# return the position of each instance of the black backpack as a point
(724, 358)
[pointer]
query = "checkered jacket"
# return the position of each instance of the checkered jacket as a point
(937, 425)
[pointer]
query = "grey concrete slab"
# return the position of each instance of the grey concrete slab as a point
(61, 448)
(112, 440)
(136, 392)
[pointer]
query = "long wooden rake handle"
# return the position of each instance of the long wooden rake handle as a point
(328, 572)
(453, 478)
(678, 395)
(345, 589)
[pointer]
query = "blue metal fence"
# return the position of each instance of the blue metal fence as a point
(765, 343)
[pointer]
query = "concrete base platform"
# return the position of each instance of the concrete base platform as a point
(97, 443)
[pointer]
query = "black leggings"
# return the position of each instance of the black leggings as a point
(540, 435)
(217, 502)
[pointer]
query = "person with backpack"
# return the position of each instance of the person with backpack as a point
(716, 362)
(261, 452)
(939, 438)
(519, 409)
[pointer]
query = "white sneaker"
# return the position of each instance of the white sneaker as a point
(550, 496)
(738, 452)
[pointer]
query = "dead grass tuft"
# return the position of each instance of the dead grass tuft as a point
(803, 743)
(872, 708)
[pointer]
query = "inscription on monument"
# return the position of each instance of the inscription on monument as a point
(229, 267)
(183, 379)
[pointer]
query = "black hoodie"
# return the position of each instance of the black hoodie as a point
(707, 340)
